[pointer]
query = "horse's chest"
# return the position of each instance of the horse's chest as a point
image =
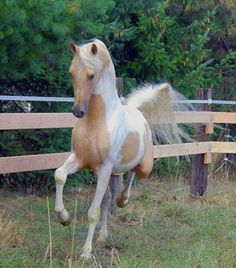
(91, 144)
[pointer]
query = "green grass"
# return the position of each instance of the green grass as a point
(161, 227)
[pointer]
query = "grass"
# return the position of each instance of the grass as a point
(161, 227)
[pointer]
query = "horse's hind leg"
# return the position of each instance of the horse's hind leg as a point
(123, 197)
(109, 204)
(116, 185)
(69, 167)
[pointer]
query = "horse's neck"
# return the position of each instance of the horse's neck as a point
(106, 89)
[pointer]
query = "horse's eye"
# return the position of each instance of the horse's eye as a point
(90, 76)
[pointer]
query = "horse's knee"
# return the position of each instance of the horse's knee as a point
(143, 170)
(94, 215)
(60, 176)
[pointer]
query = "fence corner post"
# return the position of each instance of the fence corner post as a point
(198, 184)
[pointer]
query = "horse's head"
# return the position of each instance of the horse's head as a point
(86, 69)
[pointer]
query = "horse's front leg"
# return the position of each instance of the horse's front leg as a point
(103, 177)
(105, 206)
(109, 205)
(70, 166)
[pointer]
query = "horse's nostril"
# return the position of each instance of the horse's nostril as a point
(78, 113)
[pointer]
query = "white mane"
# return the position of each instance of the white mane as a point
(88, 59)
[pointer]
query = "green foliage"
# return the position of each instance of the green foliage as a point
(170, 168)
(187, 43)
(172, 51)
(32, 34)
(87, 12)
(173, 41)
(35, 37)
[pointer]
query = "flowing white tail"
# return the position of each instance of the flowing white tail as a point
(158, 103)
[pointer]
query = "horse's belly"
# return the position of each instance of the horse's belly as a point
(136, 153)
(118, 168)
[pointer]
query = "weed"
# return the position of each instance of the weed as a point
(161, 227)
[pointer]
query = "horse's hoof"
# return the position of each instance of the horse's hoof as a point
(101, 239)
(122, 202)
(65, 223)
(64, 217)
(85, 256)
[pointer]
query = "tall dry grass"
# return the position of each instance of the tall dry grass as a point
(11, 234)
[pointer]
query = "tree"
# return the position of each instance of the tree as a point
(35, 57)
(222, 36)
(187, 43)
(172, 51)
(31, 33)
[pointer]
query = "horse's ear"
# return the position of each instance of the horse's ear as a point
(94, 49)
(73, 47)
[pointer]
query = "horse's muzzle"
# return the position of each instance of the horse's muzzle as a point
(79, 112)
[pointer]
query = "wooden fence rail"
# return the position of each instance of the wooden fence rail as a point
(25, 163)
(13, 121)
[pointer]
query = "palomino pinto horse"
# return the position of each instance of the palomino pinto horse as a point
(110, 138)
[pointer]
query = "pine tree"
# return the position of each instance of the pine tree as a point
(35, 57)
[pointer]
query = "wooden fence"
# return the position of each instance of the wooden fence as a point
(13, 121)
(201, 150)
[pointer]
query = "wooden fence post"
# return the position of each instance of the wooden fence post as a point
(198, 184)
